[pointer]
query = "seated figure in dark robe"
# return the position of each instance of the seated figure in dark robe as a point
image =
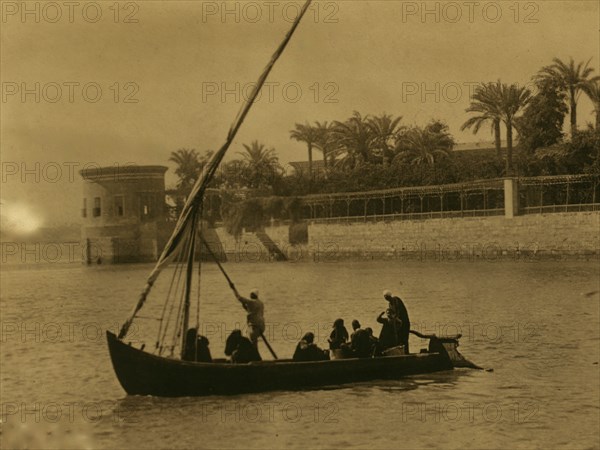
(240, 348)
(196, 347)
(361, 344)
(202, 350)
(339, 335)
(307, 350)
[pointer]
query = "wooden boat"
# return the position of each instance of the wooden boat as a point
(141, 373)
(164, 371)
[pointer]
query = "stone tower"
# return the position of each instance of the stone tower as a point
(124, 214)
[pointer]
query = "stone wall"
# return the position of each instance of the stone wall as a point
(534, 236)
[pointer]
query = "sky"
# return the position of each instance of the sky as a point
(87, 84)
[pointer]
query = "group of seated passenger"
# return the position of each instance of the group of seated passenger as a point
(238, 347)
(360, 344)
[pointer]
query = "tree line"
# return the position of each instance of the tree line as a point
(367, 152)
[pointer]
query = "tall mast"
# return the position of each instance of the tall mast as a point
(173, 245)
(188, 283)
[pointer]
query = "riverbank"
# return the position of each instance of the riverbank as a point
(573, 235)
(533, 237)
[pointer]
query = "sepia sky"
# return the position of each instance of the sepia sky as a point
(130, 86)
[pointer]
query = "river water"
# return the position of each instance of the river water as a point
(536, 324)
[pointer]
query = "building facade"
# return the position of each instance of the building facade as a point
(124, 217)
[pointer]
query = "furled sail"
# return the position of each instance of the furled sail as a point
(194, 200)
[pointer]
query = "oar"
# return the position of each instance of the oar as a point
(433, 336)
(232, 286)
(268, 345)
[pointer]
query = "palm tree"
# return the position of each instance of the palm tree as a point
(326, 142)
(425, 145)
(309, 135)
(188, 168)
(592, 90)
(512, 100)
(260, 162)
(385, 129)
(486, 102)
(355, 138)
(571, 79)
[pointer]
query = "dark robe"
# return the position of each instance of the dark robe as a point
(202, 350)
(389, 335)
(196, 347)
(240, 348)
(375, 346)
(399, 309)
(361, 344)
(309, 352)
(338, 337)
(245, 352)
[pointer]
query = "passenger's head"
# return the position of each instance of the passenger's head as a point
(387, 294)
(309, 337)
(369, 331)
(191, 335)
(355, 324)
(254, 294)
(338, 323)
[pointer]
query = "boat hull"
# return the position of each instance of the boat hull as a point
(142, 373)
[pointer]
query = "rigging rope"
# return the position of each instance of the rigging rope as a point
(178, 267)
(175, 295)
(201, 210)
(189, 281)
(175, 336)
(180, 310)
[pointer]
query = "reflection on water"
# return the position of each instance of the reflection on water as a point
(535, 323)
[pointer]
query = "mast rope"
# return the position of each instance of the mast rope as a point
(178, 267)
(201, 211)
(163, 338)
(178, 316)
(175, 295)
(199, 269)
(189, 280)
(180, 310)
